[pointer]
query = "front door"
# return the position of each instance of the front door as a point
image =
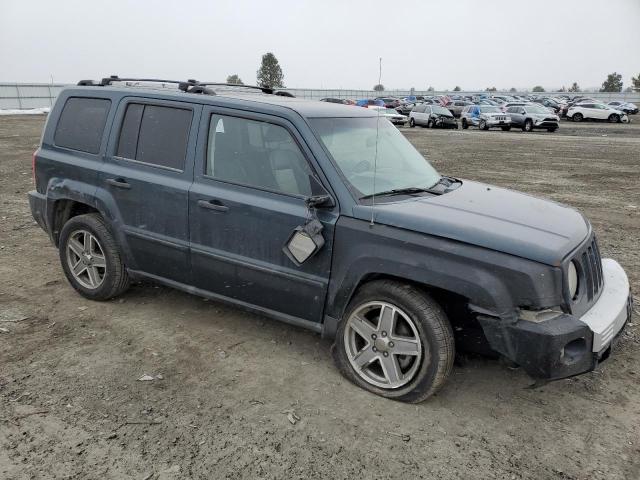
(146, 178)
(248, 196)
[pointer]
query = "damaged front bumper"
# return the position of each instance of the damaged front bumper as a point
(566, 345)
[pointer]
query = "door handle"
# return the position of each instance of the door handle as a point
(118, 182)
(216, 205)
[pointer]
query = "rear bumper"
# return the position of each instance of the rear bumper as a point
(38, 205)
(565, 345)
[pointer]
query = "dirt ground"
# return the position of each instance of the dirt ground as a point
(71, 405)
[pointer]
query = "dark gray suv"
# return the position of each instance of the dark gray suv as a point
(323, 216)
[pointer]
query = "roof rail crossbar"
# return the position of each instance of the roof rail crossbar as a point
(268, 90)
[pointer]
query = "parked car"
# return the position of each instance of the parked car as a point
(341, 101)
(531, 116)
(596, 111)
(432, 116)
(549, 103)
(390, 102)
(485, 117)
(405, 108)
(271, 204)
(392, 115)
(456, 107)
(626, 107)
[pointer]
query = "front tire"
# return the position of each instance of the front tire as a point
(614, 118)
(395, 341)
(412, 123)
(465, 125)
(483, 125)
(430, 124)
(528, 126)
(90, 258)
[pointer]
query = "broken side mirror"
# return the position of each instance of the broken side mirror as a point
(304, 242)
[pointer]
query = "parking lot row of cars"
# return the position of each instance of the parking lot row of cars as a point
(497, 111)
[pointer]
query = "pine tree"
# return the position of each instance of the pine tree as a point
(235, 79)
(270, 74)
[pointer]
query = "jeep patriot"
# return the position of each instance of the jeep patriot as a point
(322, 216)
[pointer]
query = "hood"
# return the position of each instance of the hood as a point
(489, 217)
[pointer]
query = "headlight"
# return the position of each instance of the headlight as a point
(572, 276)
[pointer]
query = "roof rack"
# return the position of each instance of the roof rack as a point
(190, 86)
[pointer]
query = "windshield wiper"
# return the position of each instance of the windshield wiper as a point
(398, 191)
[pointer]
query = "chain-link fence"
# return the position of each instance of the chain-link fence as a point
(37, 95)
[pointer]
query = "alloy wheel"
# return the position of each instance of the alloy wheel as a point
(383, 345)
(86, 259)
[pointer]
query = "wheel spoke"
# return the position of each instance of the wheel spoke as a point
(98, 261)
(391, 369)
(387, 319)
(405, 346)
(94, 276)
(75, 246)
(87, 242)
(364, 358)
(78, 268)
(362, 327)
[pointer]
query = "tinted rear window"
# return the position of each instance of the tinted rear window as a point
(156, 135)
(81, 124)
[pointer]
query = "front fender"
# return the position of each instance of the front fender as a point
(493, 282)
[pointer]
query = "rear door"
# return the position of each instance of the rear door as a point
(248, 196)
(146, 175)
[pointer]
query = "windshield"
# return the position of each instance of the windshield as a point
(352, 144)
(487, 109)
(392, 111)
(441, 111)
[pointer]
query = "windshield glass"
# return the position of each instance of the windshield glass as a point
(391, 111)
(442, 111)
(487, 109)
(352, 144)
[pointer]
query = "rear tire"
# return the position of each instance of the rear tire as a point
(91, 259)
(430, 124)
(418, 325)
(465, 125)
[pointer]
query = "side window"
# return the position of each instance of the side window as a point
(81, 124)
(257, 154)
(155, 134)
(420, 108)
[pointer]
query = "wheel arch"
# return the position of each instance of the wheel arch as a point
(62, 210)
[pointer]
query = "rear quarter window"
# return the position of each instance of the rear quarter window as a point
(81, 124)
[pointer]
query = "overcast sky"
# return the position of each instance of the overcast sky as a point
(325, 43)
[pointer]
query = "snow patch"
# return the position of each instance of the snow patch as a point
(26, 111)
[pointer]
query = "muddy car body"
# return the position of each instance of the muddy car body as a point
(325, 217)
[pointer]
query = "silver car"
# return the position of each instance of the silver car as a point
(532, 115)
(485, 117)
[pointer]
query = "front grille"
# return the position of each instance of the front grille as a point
(500, 117)
(591, 269)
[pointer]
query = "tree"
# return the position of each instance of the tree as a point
(563, 89)
(491, 89)
(537, 88)
(513, 90)
(270, 74)
(574, 87)
(613, 83)
(430, 89)
(235, 79)
(636, 83)
(457, 89)
(378, 88)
